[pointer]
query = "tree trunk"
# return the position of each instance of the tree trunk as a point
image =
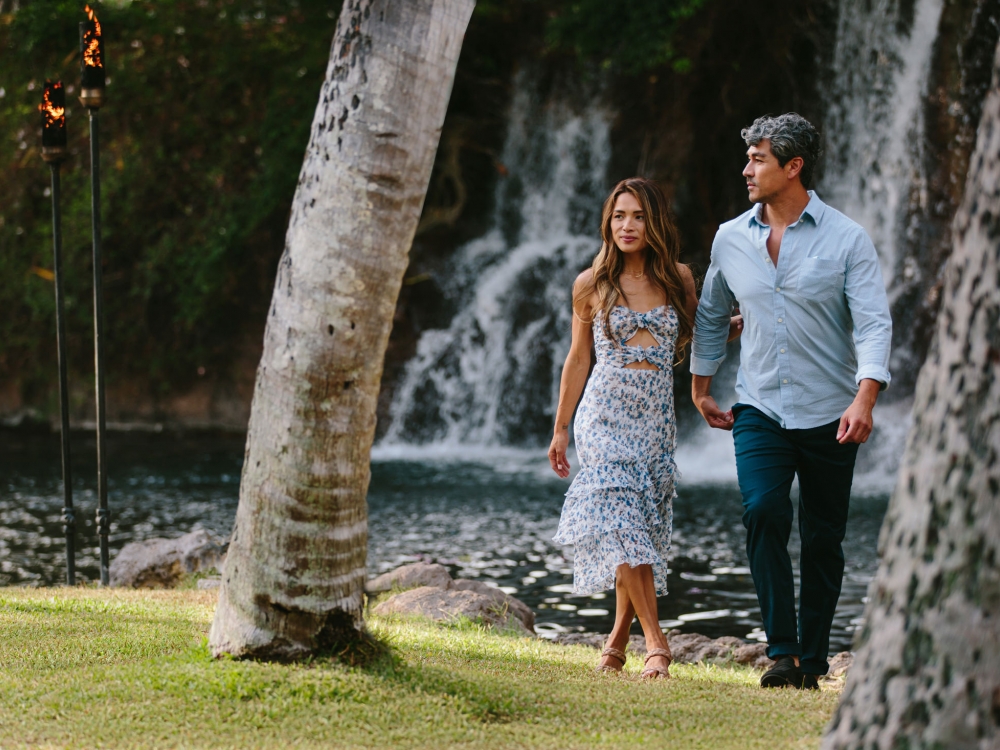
(296, 566)
(927, 672)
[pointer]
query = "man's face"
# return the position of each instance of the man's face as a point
(765, 177)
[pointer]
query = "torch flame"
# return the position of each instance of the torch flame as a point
(91, 16)
(92, 52)
(53, 114)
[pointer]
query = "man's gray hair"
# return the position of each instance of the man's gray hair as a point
(790, 135)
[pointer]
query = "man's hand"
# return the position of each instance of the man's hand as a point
(856, 424)
(701, 386)
(557, 452)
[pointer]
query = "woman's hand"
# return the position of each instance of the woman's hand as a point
(557, 452)
(735, 327)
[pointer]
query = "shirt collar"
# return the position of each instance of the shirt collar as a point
(814, 210)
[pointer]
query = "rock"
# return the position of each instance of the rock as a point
(636, 643)
(160, 563)
(752, 654)
(691, 648)
(840, 663)
(687, 648)
(594, 640)
(432, 575)
(410, 576)
(518, 608)
(442, 605)
(209, 583)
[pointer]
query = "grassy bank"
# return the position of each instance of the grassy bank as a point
(97, 668)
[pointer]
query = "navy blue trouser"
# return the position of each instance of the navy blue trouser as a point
(767, 458)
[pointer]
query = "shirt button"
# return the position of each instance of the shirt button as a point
(785, 380)
(777, 288)
(781, 320)
(782, 351)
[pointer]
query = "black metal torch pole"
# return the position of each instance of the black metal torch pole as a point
(54, 152)
(103, 516)
(92, 85)
(69, 520)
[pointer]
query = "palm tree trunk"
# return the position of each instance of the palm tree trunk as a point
(927, 673)
(296, 566)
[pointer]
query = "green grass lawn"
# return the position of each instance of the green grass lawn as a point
(111, 668)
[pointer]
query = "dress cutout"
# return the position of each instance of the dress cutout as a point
(619, 507)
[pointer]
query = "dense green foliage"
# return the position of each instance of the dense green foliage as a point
(208, 114)
(123, 668)
(209, 108)
(633, 36)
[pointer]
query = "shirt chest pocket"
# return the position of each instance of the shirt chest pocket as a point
(820, 279)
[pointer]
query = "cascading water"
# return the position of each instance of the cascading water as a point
(874, 169)
(491, 378)
(874, 127)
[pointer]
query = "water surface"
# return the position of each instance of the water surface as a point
(485, 517)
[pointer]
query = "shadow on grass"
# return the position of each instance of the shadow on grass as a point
(358, 649)
(487, 698)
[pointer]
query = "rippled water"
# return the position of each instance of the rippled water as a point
(491, 520)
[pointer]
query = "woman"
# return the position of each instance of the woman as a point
(635, 306)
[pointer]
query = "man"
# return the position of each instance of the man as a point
(814, 356)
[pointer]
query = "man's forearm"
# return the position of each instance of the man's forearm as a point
(701, 386)
(856, 422)
(868, 390)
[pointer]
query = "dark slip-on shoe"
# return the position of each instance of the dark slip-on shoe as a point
(784, 673)
(809, 682)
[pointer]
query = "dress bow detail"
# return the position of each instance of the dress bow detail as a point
(635, 321)
(660, 322)
(644, 320)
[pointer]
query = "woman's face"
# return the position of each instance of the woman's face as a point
(628, 224)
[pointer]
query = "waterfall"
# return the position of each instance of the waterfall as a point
(491, 378)
(874, 127)
(874, 171)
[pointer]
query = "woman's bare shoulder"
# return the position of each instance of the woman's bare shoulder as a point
(584, 280)
(687, 278)
(584, 293)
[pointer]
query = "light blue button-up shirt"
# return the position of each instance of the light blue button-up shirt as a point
(813, 327)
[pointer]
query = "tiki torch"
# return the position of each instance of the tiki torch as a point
(92, 97)
(53, 109)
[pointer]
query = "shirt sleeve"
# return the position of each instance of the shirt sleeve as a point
(711, 322)
(869, 308)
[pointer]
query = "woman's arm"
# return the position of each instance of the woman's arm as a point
(574, 378)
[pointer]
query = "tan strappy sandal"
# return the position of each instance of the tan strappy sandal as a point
(615, 653)
(657, 673)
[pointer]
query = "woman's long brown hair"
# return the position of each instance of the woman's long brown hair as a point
(663, 259)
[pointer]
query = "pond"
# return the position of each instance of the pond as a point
(489, 516)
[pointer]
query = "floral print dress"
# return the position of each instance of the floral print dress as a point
(619, 507)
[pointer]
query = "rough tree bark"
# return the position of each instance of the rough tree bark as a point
(296, 565)
(927, 673)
